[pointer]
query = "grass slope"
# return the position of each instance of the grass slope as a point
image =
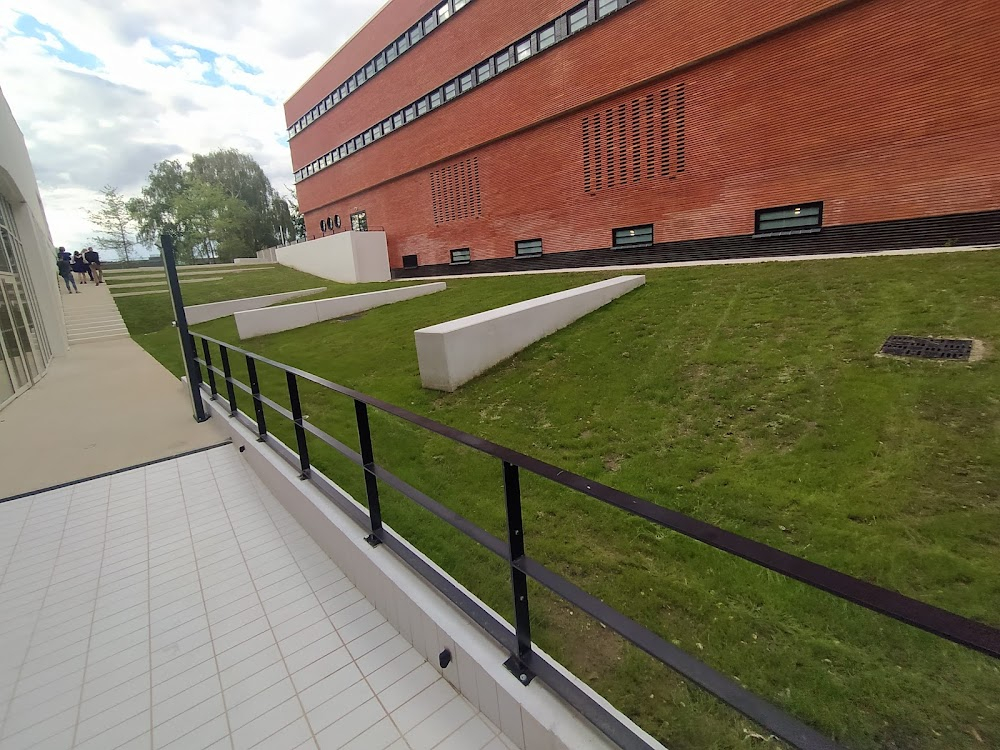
(745, 396)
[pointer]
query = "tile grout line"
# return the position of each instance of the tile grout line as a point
(253, 583)
(364, 677)
(93, 615)
(201, 589)
(69, 505)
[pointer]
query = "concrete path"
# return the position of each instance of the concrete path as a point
(103, 406)
(161, 283)
(181, 606)
(92, 315)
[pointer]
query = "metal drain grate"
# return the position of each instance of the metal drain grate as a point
(916, 346)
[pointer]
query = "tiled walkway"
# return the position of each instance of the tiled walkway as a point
(181, 606)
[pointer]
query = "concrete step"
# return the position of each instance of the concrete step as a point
(96, 329)
(92, 339)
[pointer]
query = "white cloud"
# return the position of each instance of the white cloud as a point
(101, 91)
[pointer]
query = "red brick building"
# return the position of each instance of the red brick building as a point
(483, 135)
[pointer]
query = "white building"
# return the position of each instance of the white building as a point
(32, 330)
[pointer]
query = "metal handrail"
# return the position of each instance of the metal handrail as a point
(524, 663)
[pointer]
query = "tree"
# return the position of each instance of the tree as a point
(213, 221)
(114, 224)
(154, 212)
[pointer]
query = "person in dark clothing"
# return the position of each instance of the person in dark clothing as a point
(62, 253)
(79, 268)
(66, 272)
(94, 260)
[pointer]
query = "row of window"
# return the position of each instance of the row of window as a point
(768, 221)
(413, 35)
(555, 31)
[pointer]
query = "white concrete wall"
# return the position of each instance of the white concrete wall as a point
(250, 323)
(347, 257)
(19, 186)
(452, 353)
(532, 717)
(212, 310)
(248, 261)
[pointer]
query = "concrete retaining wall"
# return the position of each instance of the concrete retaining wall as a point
(212, 310)
(347, 257)
(252, 323)
(453, 353)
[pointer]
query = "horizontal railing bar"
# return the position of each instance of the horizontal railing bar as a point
(725, 688)
(345, 450)
(277, 407)
(460, 522)
(940, 622)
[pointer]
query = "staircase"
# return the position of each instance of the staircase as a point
(92, 315)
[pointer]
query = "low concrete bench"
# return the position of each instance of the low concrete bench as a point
(452, 353)
(213, 310)
(252, 323)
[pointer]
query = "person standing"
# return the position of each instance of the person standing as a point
(66, 272)
(79, 268)
(94, 260)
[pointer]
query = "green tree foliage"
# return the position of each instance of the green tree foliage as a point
(219, 206)
(114, 225)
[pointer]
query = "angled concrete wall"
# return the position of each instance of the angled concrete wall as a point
(212, 310)
(453, 353)
(250, 323)
(347, 257)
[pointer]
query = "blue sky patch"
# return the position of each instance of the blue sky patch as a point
(31, 28)
(177, 51)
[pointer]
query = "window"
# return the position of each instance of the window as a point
(390, 53)
(422, 107)
(409, 113)
(465, 82)
(359, 221)
(464, 255)
(483, 72)
(450, 91)
(322, 106)
(523, 50)
(606, 6)
(397, 120)
(416, 34)
(578, 19)
(528, 248)
(387, 126)
(546, 37)
(503, 61)
(633, 236)
(380, 61)
(336, 96)
(436, 99)
(459, 4)
(443, 12)
(804, 217)
(351, 85)
(377, 131)
(410, 261)
(429, 23)
(366, 137)
(402, 44)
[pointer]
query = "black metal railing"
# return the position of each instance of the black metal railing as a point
(524, 662)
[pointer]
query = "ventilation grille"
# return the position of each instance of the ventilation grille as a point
(635, 141)
(455, 191)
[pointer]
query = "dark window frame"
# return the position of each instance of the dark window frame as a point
(464, 262)
(760, 214)
(615, 245)
(408, 263)
(518, 244)
(359, 221)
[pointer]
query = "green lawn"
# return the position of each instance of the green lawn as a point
(745, 396)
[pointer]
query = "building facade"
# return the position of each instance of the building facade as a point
(484, 136)
(32, 330)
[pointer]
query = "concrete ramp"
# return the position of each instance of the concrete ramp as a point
(452, 353)
(212, 310)
(250, 323)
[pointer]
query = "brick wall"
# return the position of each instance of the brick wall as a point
(884, 110)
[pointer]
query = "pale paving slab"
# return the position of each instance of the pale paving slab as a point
(181, 606)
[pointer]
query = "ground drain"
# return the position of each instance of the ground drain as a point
(927, 348)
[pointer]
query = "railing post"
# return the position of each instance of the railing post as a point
(258, 405)
(208, 366)
(230, 389)
(180, 320)
(300, 430)
(371, 483)
(517, 664)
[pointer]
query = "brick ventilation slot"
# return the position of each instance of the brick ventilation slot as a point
(927, 348)
(455, 191)
(628, 142)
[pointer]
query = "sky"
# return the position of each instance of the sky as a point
(103, 89)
